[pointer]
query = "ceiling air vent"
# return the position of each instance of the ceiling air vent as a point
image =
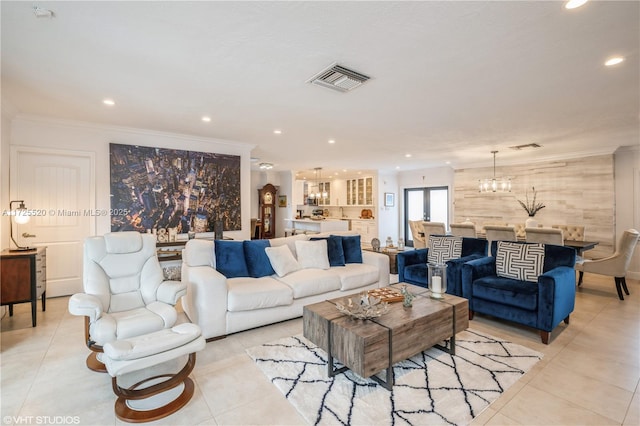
(339, 78)
(525, 146)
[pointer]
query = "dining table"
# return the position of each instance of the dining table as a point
(580, 246)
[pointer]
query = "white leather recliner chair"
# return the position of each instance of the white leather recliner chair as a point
(125, 294)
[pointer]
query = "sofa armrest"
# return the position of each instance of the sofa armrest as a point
(82, 304)
(170, 292)
(206, 300)
(411, 257)
(556, 296)
(380, 261)
(474, 269)
(454, 273)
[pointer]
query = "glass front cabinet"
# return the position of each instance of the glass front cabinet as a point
(360, 191)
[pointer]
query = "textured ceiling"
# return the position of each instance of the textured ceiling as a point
(450, 81)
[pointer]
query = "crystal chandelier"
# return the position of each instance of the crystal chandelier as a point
(494, 184)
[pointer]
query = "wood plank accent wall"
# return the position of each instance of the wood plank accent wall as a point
(577, 191)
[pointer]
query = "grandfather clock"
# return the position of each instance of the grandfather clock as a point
(267, 202)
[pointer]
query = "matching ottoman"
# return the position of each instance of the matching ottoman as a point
(161, 395)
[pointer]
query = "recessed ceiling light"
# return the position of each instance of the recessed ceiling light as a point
(206, 119)
(397, 167)
(277, 131)
(447, 162)
(408, 155)
(332, 141)
(572, 4)
(614, 61)
(109, 102)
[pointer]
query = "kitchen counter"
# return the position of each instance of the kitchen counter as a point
(324, 225)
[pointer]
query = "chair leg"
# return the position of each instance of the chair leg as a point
(619, 287)
(94, 364)
(623, 281)
(566, 320)
(544, 336)
(581, 273)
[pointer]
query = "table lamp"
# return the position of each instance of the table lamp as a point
(20, 217)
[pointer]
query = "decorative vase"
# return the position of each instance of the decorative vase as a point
(531, 223)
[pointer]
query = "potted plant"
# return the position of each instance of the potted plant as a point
(531, 207)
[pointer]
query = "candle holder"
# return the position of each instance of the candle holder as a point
(437, 278)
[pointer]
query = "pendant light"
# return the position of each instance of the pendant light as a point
(494, 184)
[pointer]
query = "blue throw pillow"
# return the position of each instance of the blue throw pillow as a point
(257, 260)
(334, 249)
(230, 259)
(352, 249)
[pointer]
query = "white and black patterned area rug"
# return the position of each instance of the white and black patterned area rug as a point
(431, 388)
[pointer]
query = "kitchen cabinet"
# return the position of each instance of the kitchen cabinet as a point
(360, 191)
(324, 187)
(339, 192)
(299, 191)
(368, 229)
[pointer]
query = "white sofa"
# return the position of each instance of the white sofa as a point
(221, 305)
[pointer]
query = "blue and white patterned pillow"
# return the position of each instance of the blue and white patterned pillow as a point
(519, 261)
(443, 248)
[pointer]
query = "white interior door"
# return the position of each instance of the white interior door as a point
(58, 187)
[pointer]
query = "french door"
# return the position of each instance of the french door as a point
(426, 204)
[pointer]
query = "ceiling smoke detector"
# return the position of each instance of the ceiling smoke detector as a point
(338, 78)
(41, 12)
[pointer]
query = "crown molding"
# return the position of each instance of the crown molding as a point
(59, 122)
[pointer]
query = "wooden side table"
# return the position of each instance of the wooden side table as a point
(393, 257)
(24, 278)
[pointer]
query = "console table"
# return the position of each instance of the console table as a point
(24, 278)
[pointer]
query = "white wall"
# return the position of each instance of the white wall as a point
(389, 218)
(627, 187)
(92, 137)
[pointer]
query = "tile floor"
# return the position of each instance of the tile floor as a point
(589, 374)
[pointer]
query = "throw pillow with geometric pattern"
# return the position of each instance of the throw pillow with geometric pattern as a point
(443, 248)
(519, 261)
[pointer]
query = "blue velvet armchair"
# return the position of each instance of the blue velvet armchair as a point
(541, 303)
(412, 265)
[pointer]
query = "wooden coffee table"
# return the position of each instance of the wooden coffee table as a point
(368, 347)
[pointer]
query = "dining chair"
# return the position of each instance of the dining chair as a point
(417, 236)
(545, 236)
(520, 231)
(615, 265)
(500, 233)
(463, 230)
(571, 232)
(433, 228)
